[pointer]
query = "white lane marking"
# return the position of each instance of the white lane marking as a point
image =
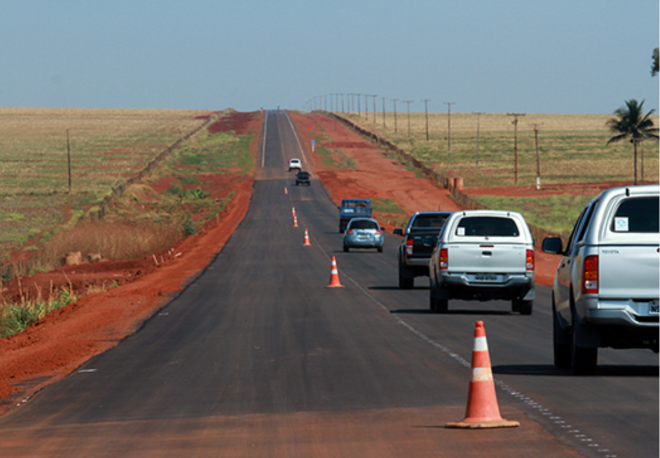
(263, 143)
(499, 383)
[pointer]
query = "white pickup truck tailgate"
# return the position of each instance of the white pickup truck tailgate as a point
(628, 272)
(486, 257)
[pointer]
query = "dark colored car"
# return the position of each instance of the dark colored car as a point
(303, 178)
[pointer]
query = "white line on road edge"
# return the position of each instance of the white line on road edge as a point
(302, 150)
(263, 142)
(557, 420)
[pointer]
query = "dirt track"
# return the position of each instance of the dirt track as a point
(66, 338)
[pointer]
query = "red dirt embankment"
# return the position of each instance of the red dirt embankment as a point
(67, 337)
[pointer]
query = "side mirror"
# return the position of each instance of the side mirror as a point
(552, 245)
(398, 231)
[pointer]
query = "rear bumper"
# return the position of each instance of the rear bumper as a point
(514, 286)
(624, 312)
(417, 262)
(364, 243)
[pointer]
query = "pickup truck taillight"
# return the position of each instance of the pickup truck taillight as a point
(409, 247)
(529, 260)
(590, 275)
(444, 259)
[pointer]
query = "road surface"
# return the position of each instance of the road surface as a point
(257, 358)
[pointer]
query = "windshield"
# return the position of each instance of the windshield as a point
(637, 215)
(487, 226)
(362, 224)
(436, 221)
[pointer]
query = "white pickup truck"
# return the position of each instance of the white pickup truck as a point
(483, 255)
(606, 289)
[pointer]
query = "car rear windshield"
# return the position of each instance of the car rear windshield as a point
(430, 221)
(487, 226)
(637, 214)
(363, 225)
(303, 175)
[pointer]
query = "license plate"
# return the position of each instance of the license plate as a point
(489, 278)
(363, 237)
(654, 308)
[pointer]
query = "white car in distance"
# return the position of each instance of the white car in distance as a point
(295, 164)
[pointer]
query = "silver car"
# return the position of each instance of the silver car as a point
(363, 233)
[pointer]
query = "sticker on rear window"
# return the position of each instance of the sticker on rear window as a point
(461, 231)
(621, 224)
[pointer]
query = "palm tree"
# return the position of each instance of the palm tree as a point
(631, 123)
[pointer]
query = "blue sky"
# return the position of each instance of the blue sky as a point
(560, 56)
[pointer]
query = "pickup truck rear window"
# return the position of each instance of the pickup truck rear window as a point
(487, 226)
(637, 214)
(430, 221)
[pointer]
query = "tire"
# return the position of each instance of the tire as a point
(440, 305)
(515, 305)
(345, 248)
(405, 282)
(380, 249)
(584, 359)
(526, 307)
(562, 342)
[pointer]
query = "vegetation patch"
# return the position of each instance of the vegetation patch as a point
(337, 159)
(386, 206)
(555, 213)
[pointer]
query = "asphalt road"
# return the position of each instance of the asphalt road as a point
(257, 358)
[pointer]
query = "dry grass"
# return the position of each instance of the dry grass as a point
(107, 146)
(572, 147)
(119, 240)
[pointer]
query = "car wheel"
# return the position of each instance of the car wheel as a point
(561, 343)
(405, 282)
(439, 305)
(584, 359)
(515, 305)
(345, 248)
(380, 249)
(526, 307)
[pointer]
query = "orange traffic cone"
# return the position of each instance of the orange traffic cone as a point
(295, 221)
(293, 211)
(482, 409)
(306, 243)
(285, 191)
(334, 276)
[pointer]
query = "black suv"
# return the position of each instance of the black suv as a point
(303, 178)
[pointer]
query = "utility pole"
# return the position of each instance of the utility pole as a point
(449, 104)
(366, 106)
(68, 156)
(408, 102)
(478, 119)
(426, 110)
(358, 100)
(394, 100)
(384, 126)
(374, 96)
(515, 144)
(538, 157)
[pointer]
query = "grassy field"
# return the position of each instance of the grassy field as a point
(572, 148)
(189, 187)
(107, 147)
